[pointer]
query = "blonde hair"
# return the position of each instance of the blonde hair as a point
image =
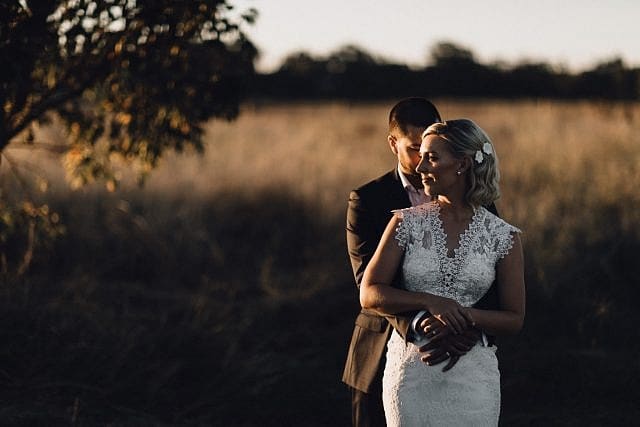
(467, 139)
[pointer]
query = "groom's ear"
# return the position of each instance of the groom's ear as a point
(392, 140)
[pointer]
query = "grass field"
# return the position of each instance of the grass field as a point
(221, 294)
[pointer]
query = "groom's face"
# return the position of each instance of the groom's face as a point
(406, 146)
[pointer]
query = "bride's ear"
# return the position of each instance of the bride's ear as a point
(465, 164)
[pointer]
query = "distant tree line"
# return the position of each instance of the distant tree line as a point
(452, 70)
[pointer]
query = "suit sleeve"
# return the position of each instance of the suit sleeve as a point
(362, 241)
(361, 235)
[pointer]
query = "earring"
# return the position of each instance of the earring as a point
(459, 173)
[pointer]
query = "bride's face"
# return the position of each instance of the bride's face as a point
(438, 167)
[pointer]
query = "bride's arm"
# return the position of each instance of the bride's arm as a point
(510, 275)
(376, 292)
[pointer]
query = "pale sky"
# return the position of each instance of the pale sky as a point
(572, 33)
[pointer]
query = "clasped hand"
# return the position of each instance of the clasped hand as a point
(450, 313)
(446, 342)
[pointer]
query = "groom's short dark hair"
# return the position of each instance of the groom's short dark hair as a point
(414, 111)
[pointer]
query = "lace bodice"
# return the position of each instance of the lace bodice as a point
(466, 276)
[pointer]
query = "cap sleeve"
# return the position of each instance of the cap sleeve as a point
(402, 228)
(505, 239)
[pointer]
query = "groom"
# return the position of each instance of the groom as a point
(368, 213)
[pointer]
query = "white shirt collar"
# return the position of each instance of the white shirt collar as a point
(405, 182)
(416, 196)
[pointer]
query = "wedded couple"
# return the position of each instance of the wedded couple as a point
(439, 274)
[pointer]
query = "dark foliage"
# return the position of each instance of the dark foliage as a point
(352, 73)
(145, 74)
(127, 80)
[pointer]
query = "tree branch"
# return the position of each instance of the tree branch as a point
(34, 113)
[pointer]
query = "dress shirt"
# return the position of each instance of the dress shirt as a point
(417, 196)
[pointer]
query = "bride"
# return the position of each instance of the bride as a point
(450, 251)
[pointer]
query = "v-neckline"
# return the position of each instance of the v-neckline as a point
(451, 266)
(462, 237)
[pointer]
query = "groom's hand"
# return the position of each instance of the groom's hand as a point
(444, 345)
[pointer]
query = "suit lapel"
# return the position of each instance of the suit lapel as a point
(399, 195)
(390, 196)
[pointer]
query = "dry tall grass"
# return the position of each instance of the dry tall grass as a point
(577, 152)
(563, 164)
(225, 279)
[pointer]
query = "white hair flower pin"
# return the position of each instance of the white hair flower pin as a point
(487, 148)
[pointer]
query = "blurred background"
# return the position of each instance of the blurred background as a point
(173, 187)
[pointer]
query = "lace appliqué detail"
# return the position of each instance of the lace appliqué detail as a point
(450, 266)
(402, 232)
(465, 276)
(415, 394)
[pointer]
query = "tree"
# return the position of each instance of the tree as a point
(128, 79)
(609, 79)
(455, 70)
(350, 56)
(449, 54)
(300, 63)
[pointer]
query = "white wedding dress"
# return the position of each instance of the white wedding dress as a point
(415, 394)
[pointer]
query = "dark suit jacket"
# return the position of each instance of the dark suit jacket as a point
(368, 214)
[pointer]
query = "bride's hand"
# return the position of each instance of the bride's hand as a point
(450, 313)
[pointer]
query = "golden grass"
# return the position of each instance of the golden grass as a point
(319, 151)
(553, 155)
(561, 162)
